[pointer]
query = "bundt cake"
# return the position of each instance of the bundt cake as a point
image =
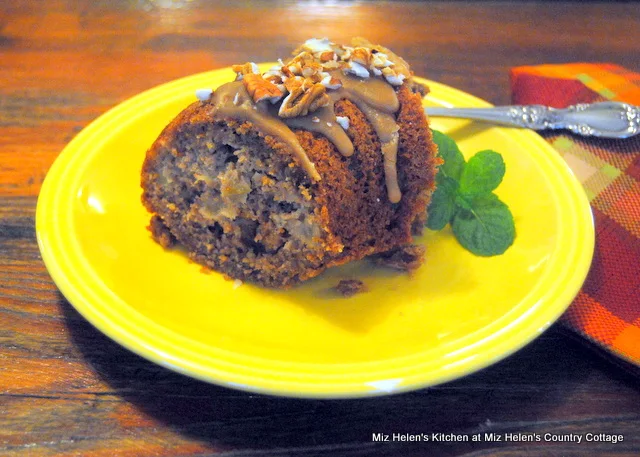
(274, 177)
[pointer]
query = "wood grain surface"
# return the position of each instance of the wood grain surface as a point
(67, 390)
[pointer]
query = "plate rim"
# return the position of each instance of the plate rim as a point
(81, 296)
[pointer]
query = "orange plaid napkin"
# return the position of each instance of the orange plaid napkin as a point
(607, 309)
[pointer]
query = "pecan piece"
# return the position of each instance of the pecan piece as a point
(330, 82)
(361, 56)
(302, 58)
(294, 83)
(327, 56)
(380, 60)
(261, 89)
(311, 69)
(331, 65)
(392, 76)
(300, 102)
(245, 69)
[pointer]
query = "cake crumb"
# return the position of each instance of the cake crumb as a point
(405, 258)
(237, 283)
(350, 287)
(419, 88)
(161, 233)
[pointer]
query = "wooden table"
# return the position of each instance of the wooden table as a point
(67, 390)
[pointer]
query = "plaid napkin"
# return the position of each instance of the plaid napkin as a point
(607, 309)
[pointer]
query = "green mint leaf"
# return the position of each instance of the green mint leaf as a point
(486, 229)
(442, 204)
(464, 202)
(482, 173)
(481, 223)
(450, 153)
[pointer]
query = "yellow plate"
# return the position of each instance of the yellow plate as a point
(458, 313)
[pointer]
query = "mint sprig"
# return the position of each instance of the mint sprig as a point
(464, 198)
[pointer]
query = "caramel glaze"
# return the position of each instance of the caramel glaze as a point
(232, 100)
(373, 96)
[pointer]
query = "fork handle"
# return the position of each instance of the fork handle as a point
(604, 119)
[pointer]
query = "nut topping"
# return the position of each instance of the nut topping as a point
(261, 89)
(327, 56)
(361, 56)
(246, 69)
(301, 102)
(393, 77)
(302, 82)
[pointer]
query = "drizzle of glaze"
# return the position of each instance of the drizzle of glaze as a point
(233, 101)
(373, 96)
(378, 102)
(323, 121)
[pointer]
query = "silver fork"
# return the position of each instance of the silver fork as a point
(603, 119)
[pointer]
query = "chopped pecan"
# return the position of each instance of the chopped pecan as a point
(294, 83)
(331, 65)
(296, 65)
(300, 102)
(356, 69)
(327, 56)
(291, 101)
(305, 84)
(287, 72)
(380, 60)
(362, 56)
(274, 75)
(294, 68)
(261, 89)
(302, 58)
(273, 78)
(316, 46)
(344, 52)
(310, 82)
(330, 82)
(310, 69)
(318, 97)
(392, 76)
(246, 69)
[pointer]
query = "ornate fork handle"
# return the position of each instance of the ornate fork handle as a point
(604, 119)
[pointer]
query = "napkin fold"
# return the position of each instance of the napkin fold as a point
(606, 311)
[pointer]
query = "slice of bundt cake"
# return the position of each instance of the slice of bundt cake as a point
(274, 177)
